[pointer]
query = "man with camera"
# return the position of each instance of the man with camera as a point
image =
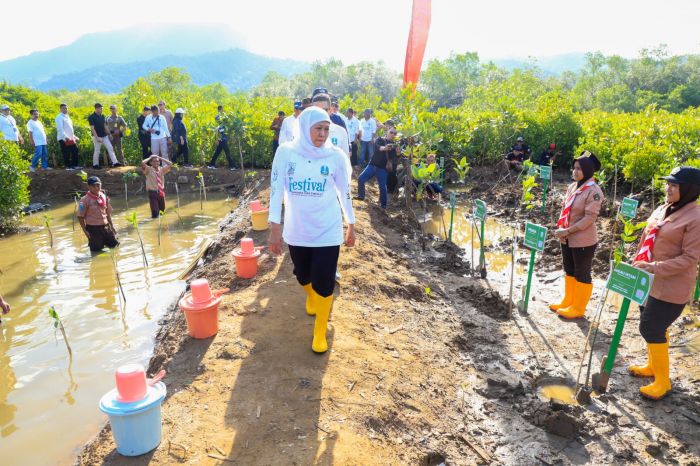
(157, 126)
(117, 129)
(384, 160)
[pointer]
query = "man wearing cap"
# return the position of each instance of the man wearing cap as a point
(157, 126)
(548, 156)
(95, 217)
(275, 127)
(100, 137)
(353, 126)
(288, 124)
(335, 118)
(368, 134)
(180, 138)
(67, 138)
(144, 137)
(37, 136)
(337, 135)
(517, 155)
(8, 126)
(222, 140)
(117, 129)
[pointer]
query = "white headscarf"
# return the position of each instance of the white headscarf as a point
(303, 143)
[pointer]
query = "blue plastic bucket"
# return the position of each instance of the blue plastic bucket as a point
(136, 426)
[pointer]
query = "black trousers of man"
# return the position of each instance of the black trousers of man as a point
(70, 154)
(222, 146)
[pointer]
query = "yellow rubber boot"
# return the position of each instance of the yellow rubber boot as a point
(323, 311)
(310, 299)
(646, 371)
(569, 287)
(658, 353)
(582, 295)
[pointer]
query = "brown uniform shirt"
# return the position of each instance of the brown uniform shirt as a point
(152, 176)
(676, 253)
(116, 125)
(92, 212)
(584, 213)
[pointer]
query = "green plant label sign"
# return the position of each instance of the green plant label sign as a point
(546, 172)
(452, 200)
(629, 207)
(442, 162)
(632, 283)
(535, 236)
(479, 209)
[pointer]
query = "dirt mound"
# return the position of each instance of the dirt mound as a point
(453, 260)
(486, 300)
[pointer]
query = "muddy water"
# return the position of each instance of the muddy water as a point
(560, 393)
(437, 222)
(48, 402)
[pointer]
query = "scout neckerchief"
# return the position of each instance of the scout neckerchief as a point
(563, 221)
(645, 252)
(101, 199)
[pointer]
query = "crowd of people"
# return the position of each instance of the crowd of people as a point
(520, 152)
(160, 132)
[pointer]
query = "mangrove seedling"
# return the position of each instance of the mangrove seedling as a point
(161, 217)
(47, 224)
(126, 177)
(202, 190)
(529, 183)
(134, 221)
(116, 273)
(83, 176)
(76, 198)
(57, 324)
(628, 235)
(461, 167)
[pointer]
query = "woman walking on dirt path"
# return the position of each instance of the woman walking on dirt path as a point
(578, 236)
(670, 249)
(312, 175)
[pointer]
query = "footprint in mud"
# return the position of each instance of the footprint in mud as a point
(485, 300)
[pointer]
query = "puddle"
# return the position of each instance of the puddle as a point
(44, 399)
(560, 393)
(497, 235)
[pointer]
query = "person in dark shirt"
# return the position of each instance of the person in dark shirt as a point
(517, 155)
(144, 137)
(275, 127)
(100, 137)
(384, 159)
(179, 136)
(335, 118)
(548, 156)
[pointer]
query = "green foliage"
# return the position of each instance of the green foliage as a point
(627, 236)
(461, 166)
(529, 183)
(14, 184)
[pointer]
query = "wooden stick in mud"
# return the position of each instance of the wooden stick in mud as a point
(512, 269)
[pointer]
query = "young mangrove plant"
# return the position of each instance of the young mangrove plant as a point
(202, 190)
(126, 177)
(76, 198)
(57, 324)
(116, 273)
(529, 183)
(134, 221)
(47, 224)
(628, 235)
(161, 217)
(461, 167)
(83, 176)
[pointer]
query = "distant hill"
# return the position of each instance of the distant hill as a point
(236, 69)
(553, 65)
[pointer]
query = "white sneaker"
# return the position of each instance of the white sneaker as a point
(211, 166)
(32, 169)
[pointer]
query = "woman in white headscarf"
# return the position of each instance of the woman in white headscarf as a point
(313, 178)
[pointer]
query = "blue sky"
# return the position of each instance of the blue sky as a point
(358, 30)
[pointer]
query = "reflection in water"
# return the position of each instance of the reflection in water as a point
(44, 391)
(437, 220)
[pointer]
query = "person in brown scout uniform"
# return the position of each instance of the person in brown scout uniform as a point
(95, 217)
(578, 236)
(155, 182)
(117, 129)
(669, 249)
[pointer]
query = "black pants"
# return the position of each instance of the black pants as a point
(392, 181)
(316, 266)
(156, 199)
(70, 154)
(578, 262)
(275, 145)
(145, 146)
(222, 146)
(353, 153)
(184, 150)
(656, 317)
(100, 236)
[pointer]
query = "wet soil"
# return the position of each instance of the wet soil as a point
(425, 367)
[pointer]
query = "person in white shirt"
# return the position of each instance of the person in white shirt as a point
(37, 136)
(288, 124)
(353, 126)
(157, 126)
(313, 178)
(8, 126)
(67, 138)
(368, 134)
(338, 136)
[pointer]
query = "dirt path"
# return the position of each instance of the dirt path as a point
(413, 376)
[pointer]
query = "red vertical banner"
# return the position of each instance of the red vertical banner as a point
(417, 39)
